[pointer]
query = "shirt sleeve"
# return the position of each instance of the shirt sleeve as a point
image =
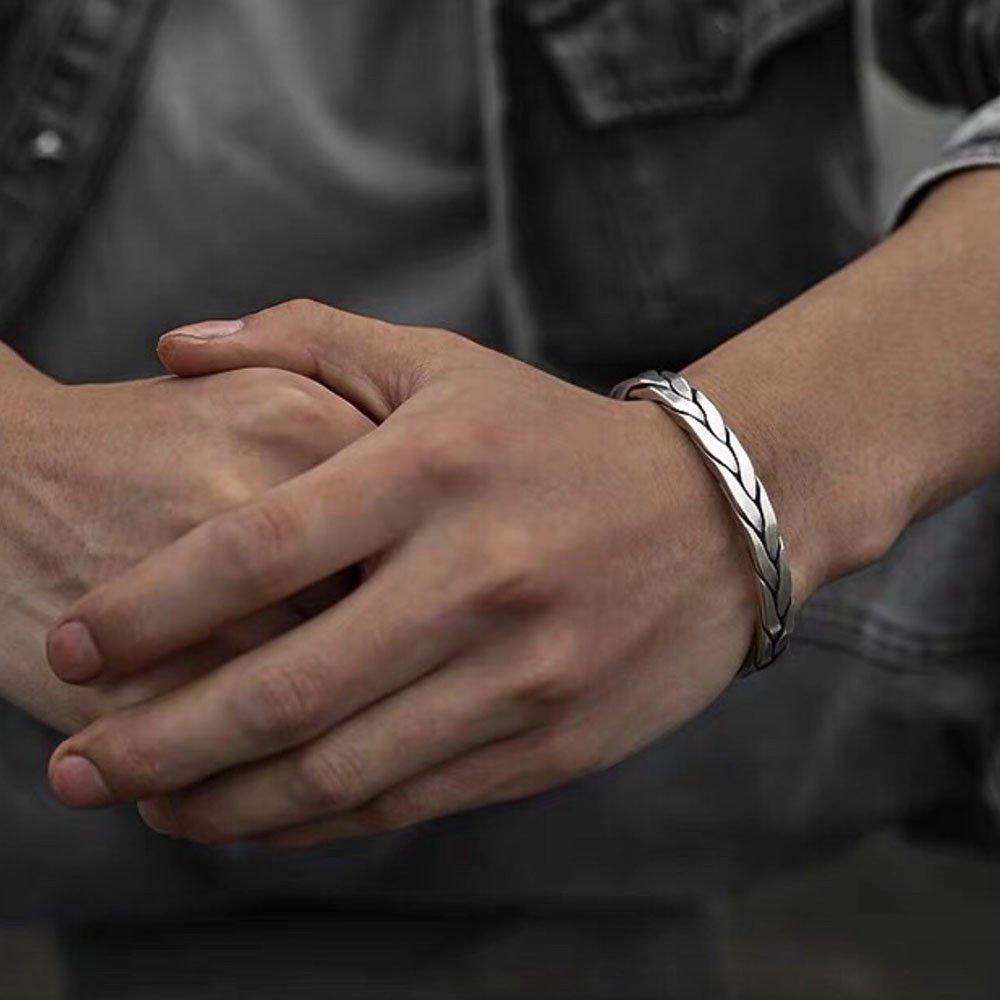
(947, 52)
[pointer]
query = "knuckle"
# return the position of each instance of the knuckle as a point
(304, 318)
(130, 767)
(335, 420)
(225, 490)
(307, 426)
(509, 576)
(290, 391)
(278, 707)
(388, 812)
(213, 491)
(300, 394)
(302, 310)
(285, 411)
(254, 543)
(331, 779)
(546, 690)
(447, 456)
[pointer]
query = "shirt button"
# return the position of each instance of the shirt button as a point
(48, 146)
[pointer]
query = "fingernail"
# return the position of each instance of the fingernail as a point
(73, 653)
(79, 784)
(156, 815)
(207, 331)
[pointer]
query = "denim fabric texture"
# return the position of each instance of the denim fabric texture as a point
(658, 174)
(68, 70)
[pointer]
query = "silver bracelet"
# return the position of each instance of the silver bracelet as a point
(732, 467)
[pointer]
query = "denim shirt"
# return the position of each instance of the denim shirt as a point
(662, 174)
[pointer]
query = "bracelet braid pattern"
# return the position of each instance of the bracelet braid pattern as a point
(695, 414)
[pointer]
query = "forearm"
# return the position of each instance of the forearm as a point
(875, 397)
(23, 679)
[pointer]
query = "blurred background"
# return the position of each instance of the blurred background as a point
(888, 922)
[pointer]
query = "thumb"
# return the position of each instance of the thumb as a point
(376, 366)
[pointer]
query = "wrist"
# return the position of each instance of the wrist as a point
(821, 482)
(22, 392)
(872, 399)
(25, 447)
(674, 489)
(746, 497)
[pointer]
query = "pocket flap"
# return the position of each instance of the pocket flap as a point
(625, 59)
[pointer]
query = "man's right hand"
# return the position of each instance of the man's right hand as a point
(93, 478)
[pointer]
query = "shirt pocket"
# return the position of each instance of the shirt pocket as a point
(707, 156)
(625, 59)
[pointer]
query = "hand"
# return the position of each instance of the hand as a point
(551, 580)
(93, 478)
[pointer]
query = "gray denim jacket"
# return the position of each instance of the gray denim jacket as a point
(663, 173)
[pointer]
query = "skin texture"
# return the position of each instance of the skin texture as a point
(94, 478)
(551, 579)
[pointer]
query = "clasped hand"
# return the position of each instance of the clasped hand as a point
(95, 477)
(549, 581)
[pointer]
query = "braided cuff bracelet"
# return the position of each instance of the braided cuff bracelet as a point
(732, 467)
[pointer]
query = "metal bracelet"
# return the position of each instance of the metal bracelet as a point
(731, 466)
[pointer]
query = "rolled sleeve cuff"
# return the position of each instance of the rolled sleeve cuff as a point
(975, 144)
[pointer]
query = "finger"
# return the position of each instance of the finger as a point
(177, 671)
(278, 697)
(438, 719)
(372, 364)
(298, 533)
(497, 773)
